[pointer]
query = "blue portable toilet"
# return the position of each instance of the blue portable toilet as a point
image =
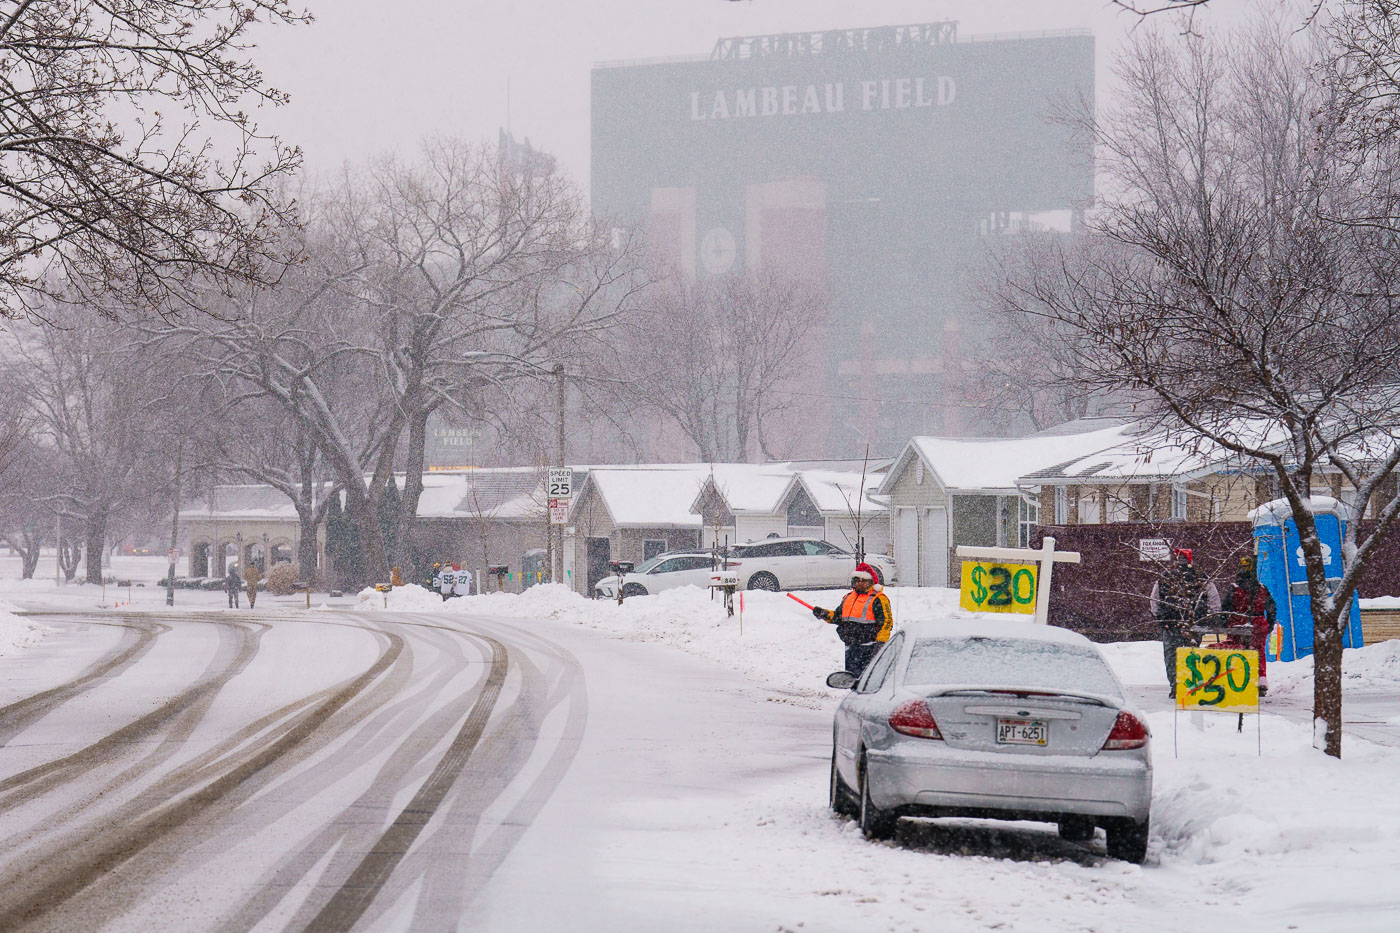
(1281, 571)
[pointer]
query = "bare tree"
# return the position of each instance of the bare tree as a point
(26, 518)
(1222, 282)
(1017, 367)
(260, 441)
(98, 186)
(88, 402)
(479, 274)
(299, 348)
(423, 286)
(714, 357)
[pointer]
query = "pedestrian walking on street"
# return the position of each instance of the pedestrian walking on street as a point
(863, 620)
(252, 577)
(232, 584)
(1179, 600)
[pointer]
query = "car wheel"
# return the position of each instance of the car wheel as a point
(874, 822)
(842, 800)
(633, 589)
(763, 580)
(879, 574)
(1076, 829)
(1127, 840)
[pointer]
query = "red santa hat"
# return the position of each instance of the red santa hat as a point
(864, 571)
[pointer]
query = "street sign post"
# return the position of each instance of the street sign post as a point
(558, 511)
(560, 483)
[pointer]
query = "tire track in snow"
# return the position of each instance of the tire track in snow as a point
(138, 639)
(353, 898)
(238, 646)
(52, 878)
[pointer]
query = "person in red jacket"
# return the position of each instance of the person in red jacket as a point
(864, 619)
(1252, 605)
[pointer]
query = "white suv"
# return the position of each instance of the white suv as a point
(662, 572)
(800, 563)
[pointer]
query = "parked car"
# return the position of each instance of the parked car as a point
(999, 720)
(662, 572)
(800, 564)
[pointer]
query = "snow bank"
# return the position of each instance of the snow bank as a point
(17, 633)
(1381, 602)
(775, 639)
(1374, 667)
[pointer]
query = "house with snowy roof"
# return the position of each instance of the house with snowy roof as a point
(1155, 474)
(631, 513)
(942, 492)
(636, 512)
(475, 518)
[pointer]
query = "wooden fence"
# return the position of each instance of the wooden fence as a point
(1105, 596)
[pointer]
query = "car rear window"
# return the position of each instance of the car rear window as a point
(1009, 662)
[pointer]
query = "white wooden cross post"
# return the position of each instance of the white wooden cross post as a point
(1046, 557)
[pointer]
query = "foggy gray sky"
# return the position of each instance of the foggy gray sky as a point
(366, 81)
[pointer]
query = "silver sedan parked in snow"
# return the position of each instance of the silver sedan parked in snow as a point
(992, 719)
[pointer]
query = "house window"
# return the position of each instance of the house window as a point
(1116, 508)
(1061, 505)
(1178, 504)
(1089, 507)
(1027, 517)
(653, 546)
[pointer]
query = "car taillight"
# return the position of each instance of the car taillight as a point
(914, 718)
(1128, 732)
(731, 563)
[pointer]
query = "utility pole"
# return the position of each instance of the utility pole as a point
(557, 574)
(174, 527)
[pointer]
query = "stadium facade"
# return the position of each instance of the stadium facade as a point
(876, 161)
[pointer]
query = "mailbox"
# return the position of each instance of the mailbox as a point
(620, 566)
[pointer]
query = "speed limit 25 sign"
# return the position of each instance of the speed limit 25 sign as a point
(560, 484)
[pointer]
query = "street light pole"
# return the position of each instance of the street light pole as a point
(557, 574)
(174, 528)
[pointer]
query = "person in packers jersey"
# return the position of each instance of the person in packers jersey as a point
(863, 620)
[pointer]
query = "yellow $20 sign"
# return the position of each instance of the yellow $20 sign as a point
(992, 587)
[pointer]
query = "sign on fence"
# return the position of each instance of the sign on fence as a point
(1158, 549)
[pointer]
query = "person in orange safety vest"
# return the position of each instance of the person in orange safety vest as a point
(864, 619)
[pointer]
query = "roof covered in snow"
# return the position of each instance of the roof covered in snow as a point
(748, 488)
(251, 502)
(835, 492)
(490, 492)
(650, 496)
(1153, 455)
(964, 464)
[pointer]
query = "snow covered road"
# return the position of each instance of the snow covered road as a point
(309, 772)
(511, 764)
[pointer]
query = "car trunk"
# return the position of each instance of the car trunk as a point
(1008, 722)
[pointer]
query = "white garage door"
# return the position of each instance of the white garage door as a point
(906, 546)
(933, 552)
